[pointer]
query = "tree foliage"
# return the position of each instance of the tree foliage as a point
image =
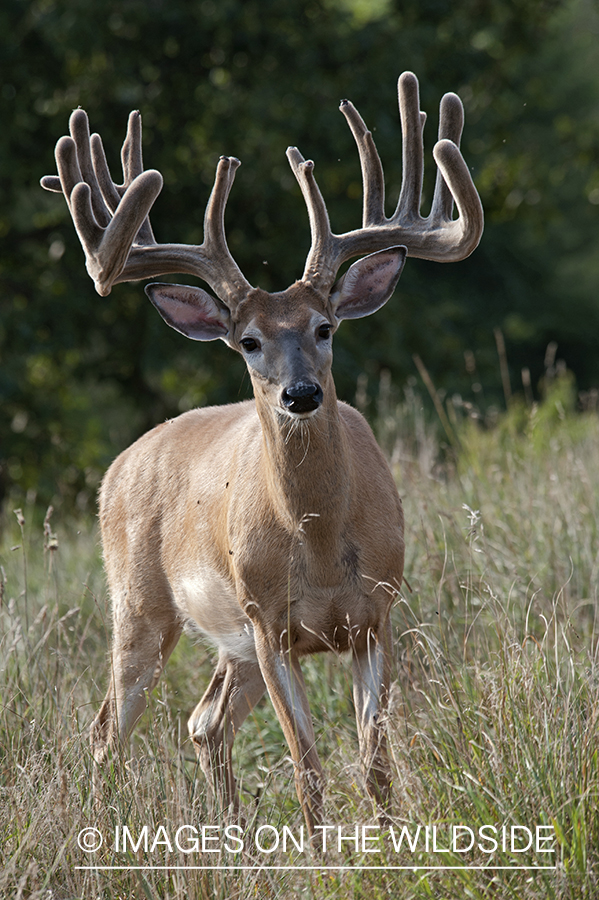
(82, 376)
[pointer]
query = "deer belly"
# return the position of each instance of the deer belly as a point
(211, 604)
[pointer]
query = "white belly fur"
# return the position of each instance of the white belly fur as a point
(210, 602)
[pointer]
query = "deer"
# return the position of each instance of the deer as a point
(273, 524)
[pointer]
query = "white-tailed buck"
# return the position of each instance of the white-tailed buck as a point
(274, 525)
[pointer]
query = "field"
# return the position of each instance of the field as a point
(493, 724)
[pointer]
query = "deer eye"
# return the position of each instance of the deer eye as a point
(249, 344)
(324, 331)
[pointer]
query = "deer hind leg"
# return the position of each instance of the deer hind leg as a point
(142, 644)
(371, 675)
(236, 687)
(285, 683)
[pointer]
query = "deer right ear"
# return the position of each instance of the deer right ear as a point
(190, 311)
(368, 283)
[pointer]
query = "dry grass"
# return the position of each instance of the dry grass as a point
(494, 718)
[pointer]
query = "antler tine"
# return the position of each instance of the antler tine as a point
(451, 124)
(110, 192)
(79, 128)
(458, 238)
(131, 153)
(412, 149)
(322, 263)
(372, 170)
(69, 173)
(70, 159)
(226, 277)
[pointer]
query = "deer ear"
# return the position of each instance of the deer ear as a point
(190, 310)
(368, 283)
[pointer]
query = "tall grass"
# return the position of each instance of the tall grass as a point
(494, 717)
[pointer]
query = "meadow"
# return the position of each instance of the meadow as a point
(493, 722)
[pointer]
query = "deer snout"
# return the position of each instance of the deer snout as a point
(302, 397)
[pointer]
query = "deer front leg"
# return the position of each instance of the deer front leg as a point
(236, 687)
(142, 645)
(285, 684)
(371, 673)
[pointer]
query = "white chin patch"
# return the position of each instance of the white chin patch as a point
(292, 415)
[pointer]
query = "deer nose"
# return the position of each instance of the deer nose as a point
(302, 397)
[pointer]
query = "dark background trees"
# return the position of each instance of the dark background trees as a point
(81, 376)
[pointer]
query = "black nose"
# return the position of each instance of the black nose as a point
(302, 397)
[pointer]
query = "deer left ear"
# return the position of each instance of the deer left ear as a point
(190, 311)
(368, 283)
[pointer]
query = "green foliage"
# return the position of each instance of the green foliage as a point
(80, 376)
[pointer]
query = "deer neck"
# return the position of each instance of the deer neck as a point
(307, 466)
